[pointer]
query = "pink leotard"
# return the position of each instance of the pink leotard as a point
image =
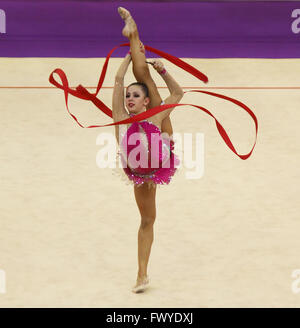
(147, 155)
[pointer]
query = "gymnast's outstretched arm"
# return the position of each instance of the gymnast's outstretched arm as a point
(175, 89)
(118, 108)
(119, 112)
(176, 93)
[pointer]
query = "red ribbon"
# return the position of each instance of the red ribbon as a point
(83, 93)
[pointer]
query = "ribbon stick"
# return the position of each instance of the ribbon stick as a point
(82, 93)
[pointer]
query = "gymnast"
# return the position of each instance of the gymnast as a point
(140, 96)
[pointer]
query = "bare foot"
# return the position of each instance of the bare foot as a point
(141, 285)
(130, 26)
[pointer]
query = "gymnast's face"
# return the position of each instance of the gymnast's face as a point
(136, 101)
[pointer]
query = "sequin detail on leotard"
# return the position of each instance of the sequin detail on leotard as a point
(147, 155)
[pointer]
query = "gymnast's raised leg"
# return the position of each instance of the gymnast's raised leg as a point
(140, 67)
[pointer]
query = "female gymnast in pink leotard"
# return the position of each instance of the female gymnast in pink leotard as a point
(141, 96)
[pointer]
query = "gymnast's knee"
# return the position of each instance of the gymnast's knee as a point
(147, 221)
(141, 71)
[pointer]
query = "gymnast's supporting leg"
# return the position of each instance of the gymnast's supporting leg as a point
(140, 67)
(145, 199)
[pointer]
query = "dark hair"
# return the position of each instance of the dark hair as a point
(143, 86)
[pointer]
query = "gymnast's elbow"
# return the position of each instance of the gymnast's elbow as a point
(115, 114)
(119, 78)
(178, 94)
(181, 93)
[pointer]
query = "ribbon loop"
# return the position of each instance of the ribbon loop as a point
(82, 93)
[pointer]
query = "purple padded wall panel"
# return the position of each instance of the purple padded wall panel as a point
(194, 29)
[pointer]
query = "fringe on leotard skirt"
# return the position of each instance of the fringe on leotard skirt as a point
(158, 177)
